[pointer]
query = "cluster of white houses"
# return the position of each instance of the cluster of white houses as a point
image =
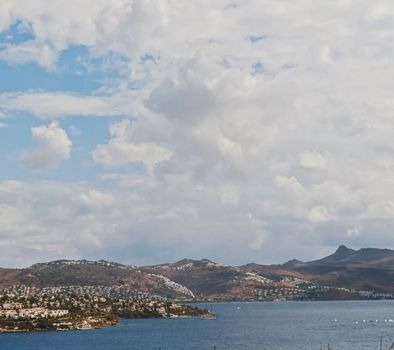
(17, 311)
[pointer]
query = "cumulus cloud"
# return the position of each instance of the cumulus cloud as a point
(78, 220)
(312, 160)
(251, 130)
(320, 214)
(290, 183)
(123, 149)
(118, 152)
(96, 198)
(54, 146)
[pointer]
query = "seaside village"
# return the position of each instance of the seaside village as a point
(24, 308)
(18, 310)
(69, 308)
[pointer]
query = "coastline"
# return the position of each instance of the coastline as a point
(87, 327)
(90, 323)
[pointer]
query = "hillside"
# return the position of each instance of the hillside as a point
(367, 269)
(91, 273)
(209, 279)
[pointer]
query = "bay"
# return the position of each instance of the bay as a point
(345, 325)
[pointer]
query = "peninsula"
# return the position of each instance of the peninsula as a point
(25, 309)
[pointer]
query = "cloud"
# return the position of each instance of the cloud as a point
(29, 51)
(54, 146)
(122, 149)
(290, 183)
(51, 105)
(96, 198)
(181, 99)
(312, 160)
(320, 214)
(228, 194)
(352, 231)
(118, 152)
(298, 150)
(79, 220)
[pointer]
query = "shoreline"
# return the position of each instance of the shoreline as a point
(114, 323)
(277, 301)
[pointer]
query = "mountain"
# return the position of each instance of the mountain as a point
(208, 278)
(367, 268)
(186, 279)
(332, 277)
(91, 273)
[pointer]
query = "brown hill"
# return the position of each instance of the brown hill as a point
(364, 269)
(209, 279)
(90, 273)
(367, 268)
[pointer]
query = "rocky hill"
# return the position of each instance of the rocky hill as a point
(209, 279)
(331, 277)
(367, 268)
(91, 273)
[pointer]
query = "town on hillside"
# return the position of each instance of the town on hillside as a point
(25, 308)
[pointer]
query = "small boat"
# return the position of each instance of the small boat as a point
(208, 317)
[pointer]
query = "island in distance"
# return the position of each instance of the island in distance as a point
(78, 294)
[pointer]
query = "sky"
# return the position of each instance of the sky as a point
(146, 131)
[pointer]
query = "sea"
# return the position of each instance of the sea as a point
(341, 325)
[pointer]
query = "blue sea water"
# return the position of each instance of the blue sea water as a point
(239, 326)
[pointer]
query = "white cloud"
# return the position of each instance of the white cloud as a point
(303, 143)
(118, 152)
(259, 232)
(96, 198)
(352, 231)
(50, 105)
(288, 182)
(123, 149)
(228, 194)
(320, 214)
(29, 51)
(53, 147)
(312, 160)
